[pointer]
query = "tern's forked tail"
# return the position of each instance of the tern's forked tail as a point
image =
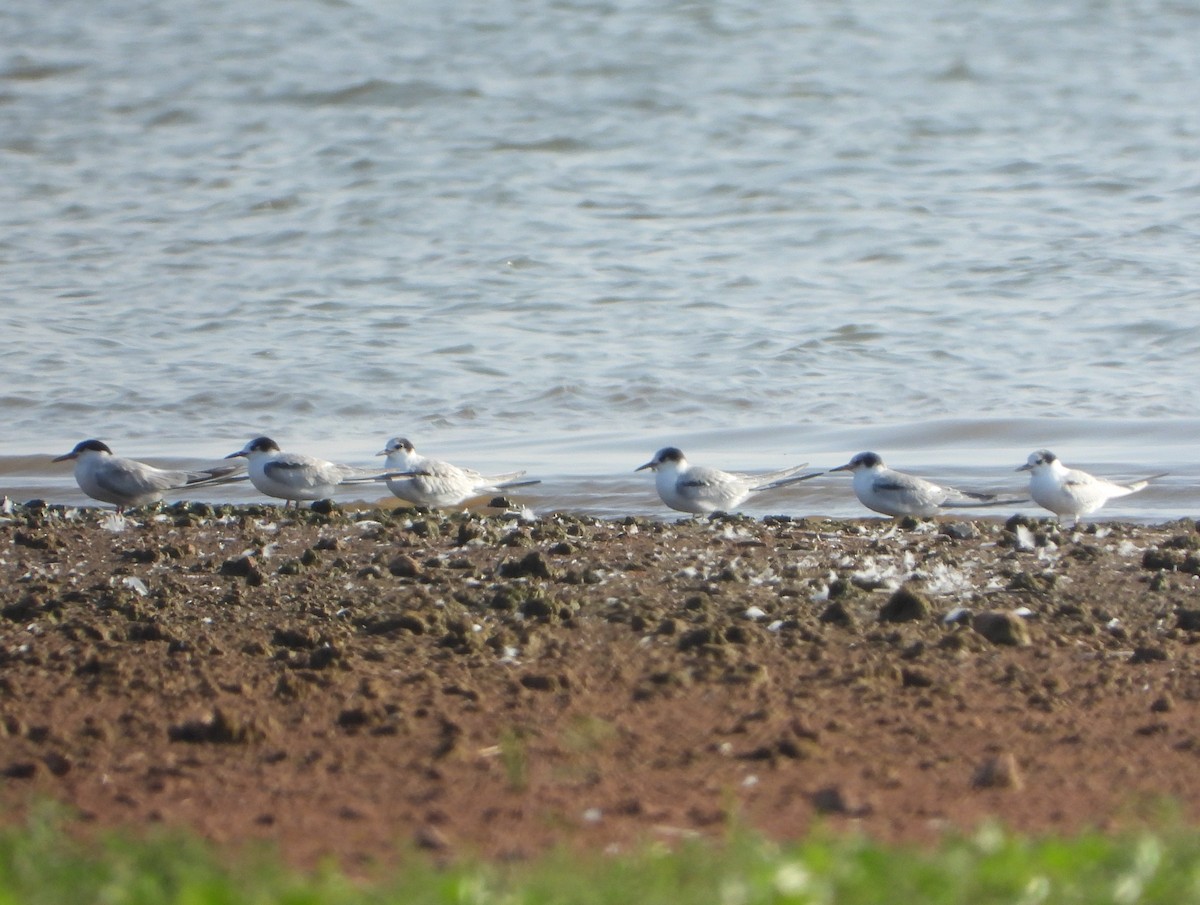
(785, 482)
(981, 501)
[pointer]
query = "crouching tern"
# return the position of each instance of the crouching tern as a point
(701, 490)
(431, 482)
(881, 489)
(294, 477)
(126, 482)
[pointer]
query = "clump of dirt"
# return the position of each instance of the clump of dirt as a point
(353, 684)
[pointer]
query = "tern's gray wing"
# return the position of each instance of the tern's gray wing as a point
(712, 486)
(130, 480)
(302, 472)
(441, 479)
(1091, 490)
(907, 491)
(711, 478)
(970, 499)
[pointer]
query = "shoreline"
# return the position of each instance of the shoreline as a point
(354, 682)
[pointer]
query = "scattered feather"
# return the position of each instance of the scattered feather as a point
(116, 523)
(136, 585)
(1025, 539)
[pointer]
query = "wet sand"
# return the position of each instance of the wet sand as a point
(352, 684)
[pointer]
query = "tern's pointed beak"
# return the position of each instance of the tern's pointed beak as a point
(66, 457)
(1025, 467)
(234, 455)
(846, 467)
(651, 464)
(384, 452)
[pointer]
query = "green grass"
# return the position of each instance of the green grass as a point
(40, 865)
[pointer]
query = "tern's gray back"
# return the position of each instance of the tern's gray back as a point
(908, 492)
(129, 479)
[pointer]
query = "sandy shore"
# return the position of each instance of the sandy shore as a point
(352, 684)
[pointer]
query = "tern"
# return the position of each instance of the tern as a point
(700, 490)
(881, 489)
(294, 477)
(1069, 491)
(434, 483)
(127, 482)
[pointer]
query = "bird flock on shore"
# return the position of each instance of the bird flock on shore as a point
(421, 481)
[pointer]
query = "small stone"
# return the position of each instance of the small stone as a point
(296, 637)
(1149, 654)
(324, 507)
(23, 610)
(1002, 628)
(36, 541)
(1156, 728)
(539, 682)
(905, 605)
(57, 764)
(323, 656)
(838, 614)
(1163, 560)
(1164, 703)
(999, 772)
(239, 566)
(386, 624)
(835, 800)
(697, 637)
(959, 531)
(915, 678)
(404, 567)
(1028, 581)
(1019, 521)
(537, 608)
(431, 839)
(219, 727)
(1188, 620)
(840, 587)
(353, 718)
(532, 565)
(142, 556)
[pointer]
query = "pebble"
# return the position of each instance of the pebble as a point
(1002, 628)
(905, 605)
(998, 772)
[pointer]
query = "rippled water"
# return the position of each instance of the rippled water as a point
(559, 235)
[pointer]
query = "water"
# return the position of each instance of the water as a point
(560, 235)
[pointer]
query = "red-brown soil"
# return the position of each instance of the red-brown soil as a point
(363, 682)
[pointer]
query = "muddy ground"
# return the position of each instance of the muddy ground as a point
(352, 684)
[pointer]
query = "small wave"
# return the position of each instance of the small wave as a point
(854, 333)
(29, 71)
(546, 146)
(374, 93)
